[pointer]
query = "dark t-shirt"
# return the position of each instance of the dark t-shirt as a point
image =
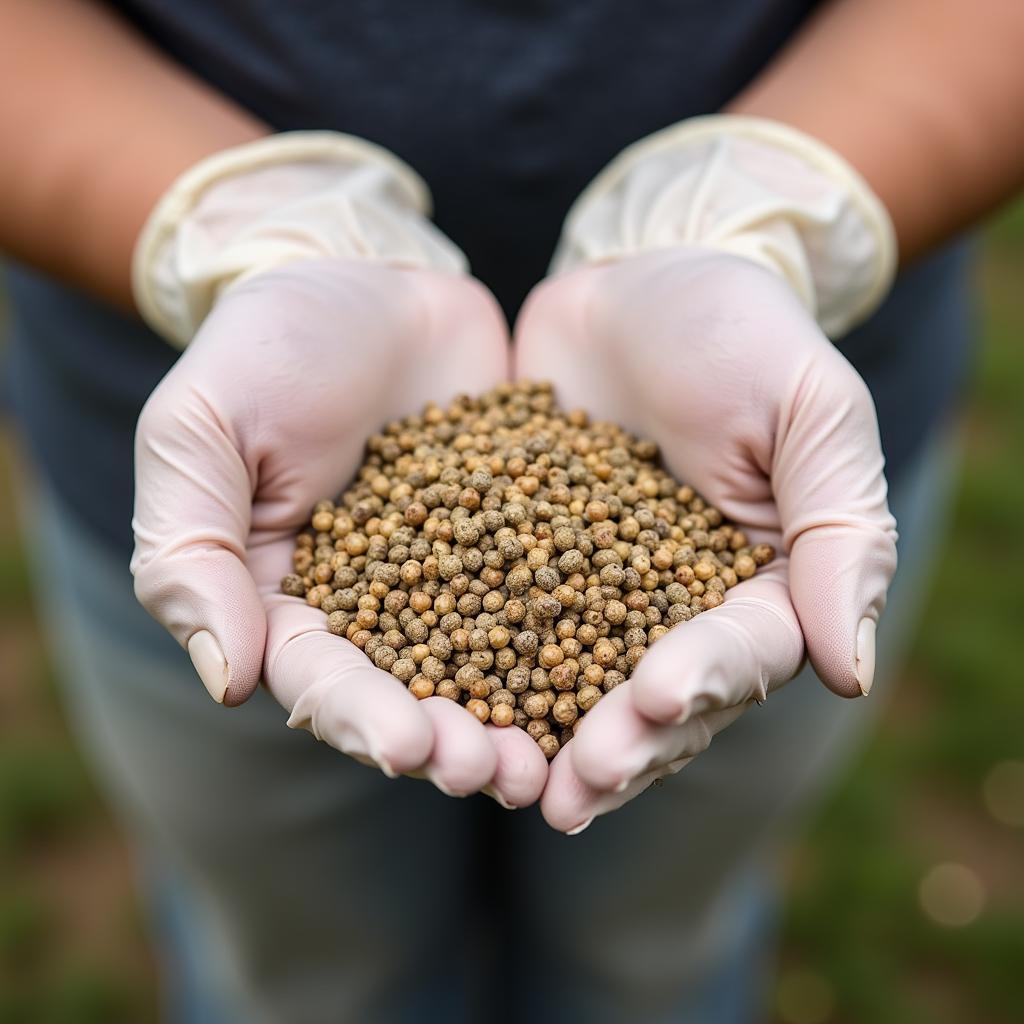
(507, 108)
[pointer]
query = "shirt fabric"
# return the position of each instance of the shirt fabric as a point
(507, 108)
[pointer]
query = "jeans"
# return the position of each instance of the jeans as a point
(291, 885)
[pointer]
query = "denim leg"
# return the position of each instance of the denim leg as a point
(292, 885)
(656, 910)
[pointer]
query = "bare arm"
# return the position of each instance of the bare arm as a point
(96, 124)
(923, 97)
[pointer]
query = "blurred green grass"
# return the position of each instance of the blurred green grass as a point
(72, 950)
(859, 946)
(855, 920)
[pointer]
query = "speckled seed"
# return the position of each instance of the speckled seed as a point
(535, 705)
(549, 745)
(514, 558)
(421, 687)
(565, 710)
(744, 566)
(479, 708)
(502, 715)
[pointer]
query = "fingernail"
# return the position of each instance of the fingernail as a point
(210, 664)
(498, 798)
(366, 753)
(620, 787)
(444, 789)
(866, 655)
(580, 828)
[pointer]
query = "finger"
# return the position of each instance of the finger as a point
(522, 768)
(193, 498)
(831, 493)
(463, 759)
(567, 803)
(729, 655)
(616, 744)
(330, 687)
(570, 805)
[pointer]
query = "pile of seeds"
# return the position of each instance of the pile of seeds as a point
(514, 558)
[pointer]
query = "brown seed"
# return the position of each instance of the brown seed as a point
(448, 688)
(479, 708)
(535, 705)
(293, 586)
(501, 551)
(612, 679)
(502, 696)
(415, 513)
(421, 687)
(565, 710)
(685, 575)
(502, 715)
(538, 727)
(549, 745)
(704, 570)
(551, 655)
(744, 566)
(404, 669)
(498, 637)
(323, 521)
(366, 618)
(604, 654)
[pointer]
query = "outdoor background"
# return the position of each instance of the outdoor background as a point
(906, 902)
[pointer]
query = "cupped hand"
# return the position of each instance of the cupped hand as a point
(716, 360)
(266, 412)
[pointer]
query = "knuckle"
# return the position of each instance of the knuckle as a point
(150, 584)
(157, 416)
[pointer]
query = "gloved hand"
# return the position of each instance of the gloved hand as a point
(267, 411)
(717, 357)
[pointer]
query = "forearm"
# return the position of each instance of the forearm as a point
(924, 98)
(96, 126)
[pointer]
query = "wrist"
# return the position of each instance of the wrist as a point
(286, 198)
(752, 187)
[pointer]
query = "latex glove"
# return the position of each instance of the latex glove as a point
(266, 412)
(718, 361)
(752, 187)
(713, 245)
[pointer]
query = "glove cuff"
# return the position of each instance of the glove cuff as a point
(753, 187)
(281, 199)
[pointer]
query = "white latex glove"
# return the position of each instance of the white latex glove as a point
(716, 357)
(266, 412)
(752, 187)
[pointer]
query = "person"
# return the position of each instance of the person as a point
(216, 230)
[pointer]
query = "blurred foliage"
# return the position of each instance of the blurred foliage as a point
(914, 798)
(43, 792)
(79, 993)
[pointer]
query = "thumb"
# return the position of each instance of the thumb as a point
(831, 493)
(193, 499)
(738, 652)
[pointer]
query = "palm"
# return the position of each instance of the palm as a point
(683, 347)
(266, 413)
